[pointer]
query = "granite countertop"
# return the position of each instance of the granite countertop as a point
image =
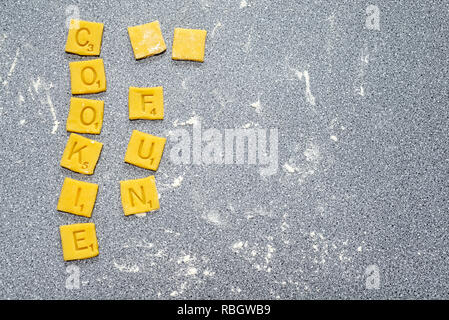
(354, 204)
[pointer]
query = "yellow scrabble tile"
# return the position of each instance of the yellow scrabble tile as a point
(145, 150)
(84, 38)
(85, 116)
(139, 195)
(79, 241)
(81, 154)
(146, 39)
(77, 197)
(189, 44)
(146, 103)
(87, 76)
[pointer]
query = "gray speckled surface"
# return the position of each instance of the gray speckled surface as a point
(366, 180)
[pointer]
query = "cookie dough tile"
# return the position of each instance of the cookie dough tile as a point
(145, 150)
(81, 154)
(139, 195)
(84, 38)
(77, 197)
(146, 103)
(146, 39)
(87, 76)
(189, 44)
(85, 116)
(79, 241)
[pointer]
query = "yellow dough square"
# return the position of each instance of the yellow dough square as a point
(84, 38)
(81, 154)
(146, 39)
(139, 195)
(85, 116)
(79, 241)
(145, 150)
(146, 103)
(77, 197)
(189, 44)
(87, 76)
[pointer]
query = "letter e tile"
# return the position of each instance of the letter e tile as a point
(79, 241)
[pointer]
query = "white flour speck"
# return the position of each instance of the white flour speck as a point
(141, 215)
(47, 100)
(192, 271)
(185, 259)
(257, 106)
(238, 245)
(125, 268)
(12, 67)
(244, 4)
(289, 168)
(217, 25)
(177, 182)
(310, 98)
(192, 121)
